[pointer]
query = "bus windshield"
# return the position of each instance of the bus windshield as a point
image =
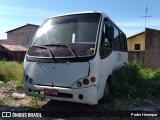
(78, 32)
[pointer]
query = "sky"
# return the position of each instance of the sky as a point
(125, 13)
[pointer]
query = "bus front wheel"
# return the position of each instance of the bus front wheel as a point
(107, 91)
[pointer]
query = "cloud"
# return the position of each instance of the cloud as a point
(10, 8)
(25, 12)
(154, 22)
(129, 31)
(17, 16)
(134, 27)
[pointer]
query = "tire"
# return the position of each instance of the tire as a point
(107, 91)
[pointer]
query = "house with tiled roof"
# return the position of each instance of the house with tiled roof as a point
(22, 35)
(17, 41)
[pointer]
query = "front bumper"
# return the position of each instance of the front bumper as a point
(81, 95)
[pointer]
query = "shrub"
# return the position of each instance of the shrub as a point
(135, 81)
(11, 71)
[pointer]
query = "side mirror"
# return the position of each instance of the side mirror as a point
(109, 33)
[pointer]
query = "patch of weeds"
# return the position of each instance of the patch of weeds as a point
(120, 106)
(36, 102)
(20, 89)
(11, 70)
(2, 85)
(135, 102)
(135, 81)
(1, 101)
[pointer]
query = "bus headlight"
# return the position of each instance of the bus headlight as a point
(85, 81)
(82, 83)
(79, 84)
(29, 80)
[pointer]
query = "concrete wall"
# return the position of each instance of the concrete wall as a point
(138, 56)
(152, 53)
(22, 36)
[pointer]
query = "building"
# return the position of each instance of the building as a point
(12, 52)
(6, 47)
(145, 48)
(17, 42)
(22, 35)
(137, 42)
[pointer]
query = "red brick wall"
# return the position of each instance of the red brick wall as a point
(22, 36)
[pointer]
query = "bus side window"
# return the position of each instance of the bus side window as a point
(105, 48)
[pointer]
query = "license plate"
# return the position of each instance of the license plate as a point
(53, 92)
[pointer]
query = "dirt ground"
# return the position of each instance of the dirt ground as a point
(74, 110)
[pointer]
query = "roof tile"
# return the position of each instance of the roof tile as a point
(14, 47)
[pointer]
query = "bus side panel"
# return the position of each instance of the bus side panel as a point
(107, 65)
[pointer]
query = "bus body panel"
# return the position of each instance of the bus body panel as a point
(56, 74)
(107, 66)
(89, 94)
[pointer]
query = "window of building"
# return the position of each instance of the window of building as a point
(137, 47)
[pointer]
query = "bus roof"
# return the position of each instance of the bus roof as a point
(80, 13)
(85, 12)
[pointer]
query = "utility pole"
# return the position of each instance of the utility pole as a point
(146, 16)
(9, 27)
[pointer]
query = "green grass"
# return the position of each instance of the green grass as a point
(1, 101)
(11, 71)
(135, 81)
(121, 106)
(36, 102)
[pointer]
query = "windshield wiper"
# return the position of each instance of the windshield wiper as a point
(75, 55)
(47, 49)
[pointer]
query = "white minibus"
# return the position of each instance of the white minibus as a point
(72, 56)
